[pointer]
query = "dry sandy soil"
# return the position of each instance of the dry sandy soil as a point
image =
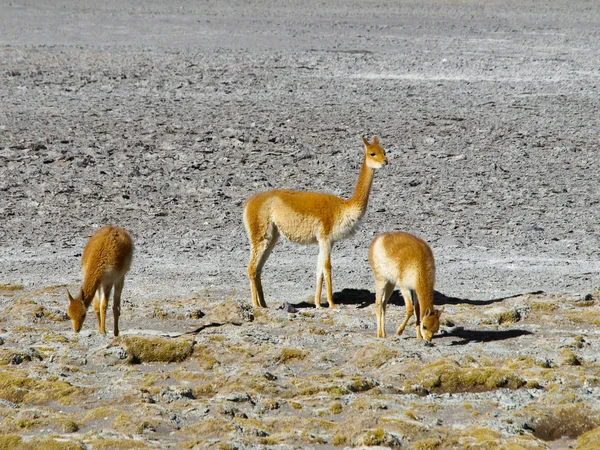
(164, 118)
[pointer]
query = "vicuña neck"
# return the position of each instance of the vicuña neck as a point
(360, 197)
(90, 285)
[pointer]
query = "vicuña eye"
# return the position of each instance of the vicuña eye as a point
(372, 154)
(424, 327)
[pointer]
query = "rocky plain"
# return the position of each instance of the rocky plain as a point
(163, 117)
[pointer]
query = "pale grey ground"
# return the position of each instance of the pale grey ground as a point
(164, 118)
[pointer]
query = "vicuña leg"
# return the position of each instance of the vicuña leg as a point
(117, 304)
(259, 253)
(410, 308)
(324, 270)
(104, 295)
(97, 309)
(383, 291)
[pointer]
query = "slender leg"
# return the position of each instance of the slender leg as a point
(417, 305)
(324, 271)
(104, 295)
(383, 291)
(97, 309)
(409, 309)
(259, 253)
(117, 304)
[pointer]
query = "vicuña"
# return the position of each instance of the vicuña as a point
(403, 259)
(105, 261)
(307, 218)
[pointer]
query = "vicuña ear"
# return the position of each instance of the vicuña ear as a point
(375, 140)
(439, 311)
(69, 296)
(427, 312)
(82, 297)
(365, 140)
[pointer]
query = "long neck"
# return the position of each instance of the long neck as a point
(90, 285)
(360, 197)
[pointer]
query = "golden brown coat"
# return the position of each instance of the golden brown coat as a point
(105, 261)
(307, 218)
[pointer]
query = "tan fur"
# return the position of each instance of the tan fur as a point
(307, 218)
(105, 261)
(403, 259)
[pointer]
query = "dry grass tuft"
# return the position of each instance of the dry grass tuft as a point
(589, 440)
(288, 354)
(17, 387)
(447, 376)
(11, 287)
(564, 420)
(140, 349)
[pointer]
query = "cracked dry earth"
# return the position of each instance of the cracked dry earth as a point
(163, 119)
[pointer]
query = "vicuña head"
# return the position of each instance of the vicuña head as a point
(307, 218)
(105, 261)
(405, 260)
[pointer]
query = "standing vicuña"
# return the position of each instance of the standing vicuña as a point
(404, 259)
(106, 260)
(307, 218)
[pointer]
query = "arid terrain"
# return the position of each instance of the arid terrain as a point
(163, 118)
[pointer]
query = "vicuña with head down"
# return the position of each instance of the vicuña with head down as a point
(105, 261)
(307, 218)
(403, 259)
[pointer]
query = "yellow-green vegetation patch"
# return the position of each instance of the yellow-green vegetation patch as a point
(510, 316)
(448, 376)
(11, 287)
(288, 354)
(550, 424)
(116, 444)
(589, 441)
(544, 306)
(11, 442)
(210, 428)
(156, 349)
(204, 356)
(569, 358)
(374, 356)
(17, 387)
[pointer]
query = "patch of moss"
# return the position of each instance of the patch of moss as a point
(339, 439)
(155, 349)
(11, 287)
(447, 376)
(116, 444)
(544, 306)
(374, 356)
(288, 354)
(362, 384)
(210, 428)
(428, 444)
(589, 440)
(11, 441)
(568, 358)
(17, 387)
(336, 408)
(204, 357)
(510, 316)
(295, 405)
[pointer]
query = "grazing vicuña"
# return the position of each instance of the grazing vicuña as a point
(403, 259)
(307, 218)
(106, 259)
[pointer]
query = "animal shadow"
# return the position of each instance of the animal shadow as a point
(468, 336)
(362, 298)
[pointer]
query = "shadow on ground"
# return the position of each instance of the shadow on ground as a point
(363, 298)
